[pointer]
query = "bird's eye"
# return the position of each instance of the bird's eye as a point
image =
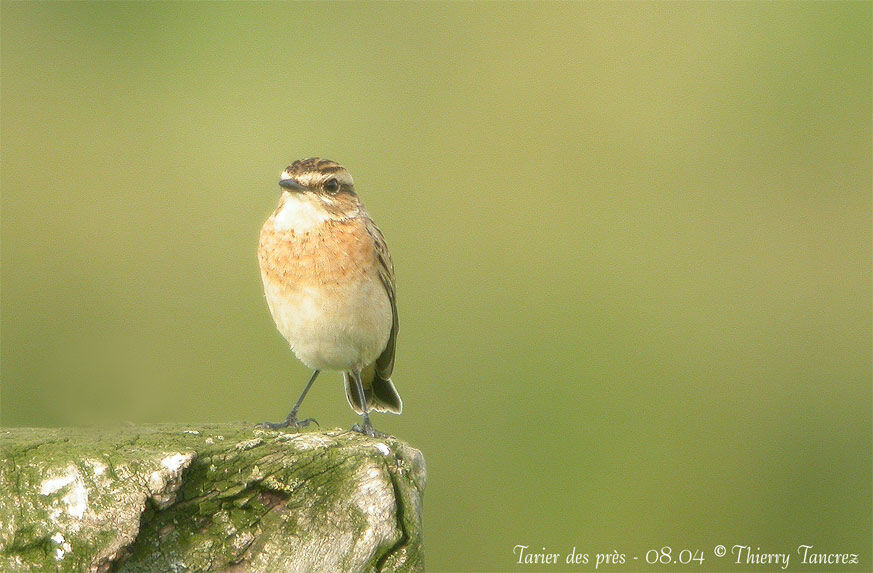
(332, 185)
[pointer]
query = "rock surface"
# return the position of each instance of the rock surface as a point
(216, 497)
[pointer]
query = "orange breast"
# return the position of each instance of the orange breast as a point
(333, 253)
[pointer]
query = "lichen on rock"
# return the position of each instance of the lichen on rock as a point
(211, 497)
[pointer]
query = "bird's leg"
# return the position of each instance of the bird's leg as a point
(291, 420)
(365, 427)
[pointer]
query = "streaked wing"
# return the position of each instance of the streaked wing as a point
(385, 362)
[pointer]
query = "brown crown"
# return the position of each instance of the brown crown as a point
(313, 164)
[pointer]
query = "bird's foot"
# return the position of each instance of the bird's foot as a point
(290, 422)
(367, 429)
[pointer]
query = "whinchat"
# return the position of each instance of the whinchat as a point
(329, 284)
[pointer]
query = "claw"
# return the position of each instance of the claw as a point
(368, 430)
(290, 422)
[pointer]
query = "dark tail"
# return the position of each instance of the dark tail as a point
(381, 394)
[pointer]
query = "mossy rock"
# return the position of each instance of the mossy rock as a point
(208, 498)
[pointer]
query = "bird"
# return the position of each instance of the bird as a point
(329, 284)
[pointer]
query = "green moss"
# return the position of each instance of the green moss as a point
(244, 495)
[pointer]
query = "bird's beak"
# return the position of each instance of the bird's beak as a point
(291, 184)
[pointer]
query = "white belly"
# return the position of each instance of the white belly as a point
(343, 327)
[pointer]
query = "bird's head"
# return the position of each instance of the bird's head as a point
(320, 184)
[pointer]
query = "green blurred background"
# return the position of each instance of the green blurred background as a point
(633, 249)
